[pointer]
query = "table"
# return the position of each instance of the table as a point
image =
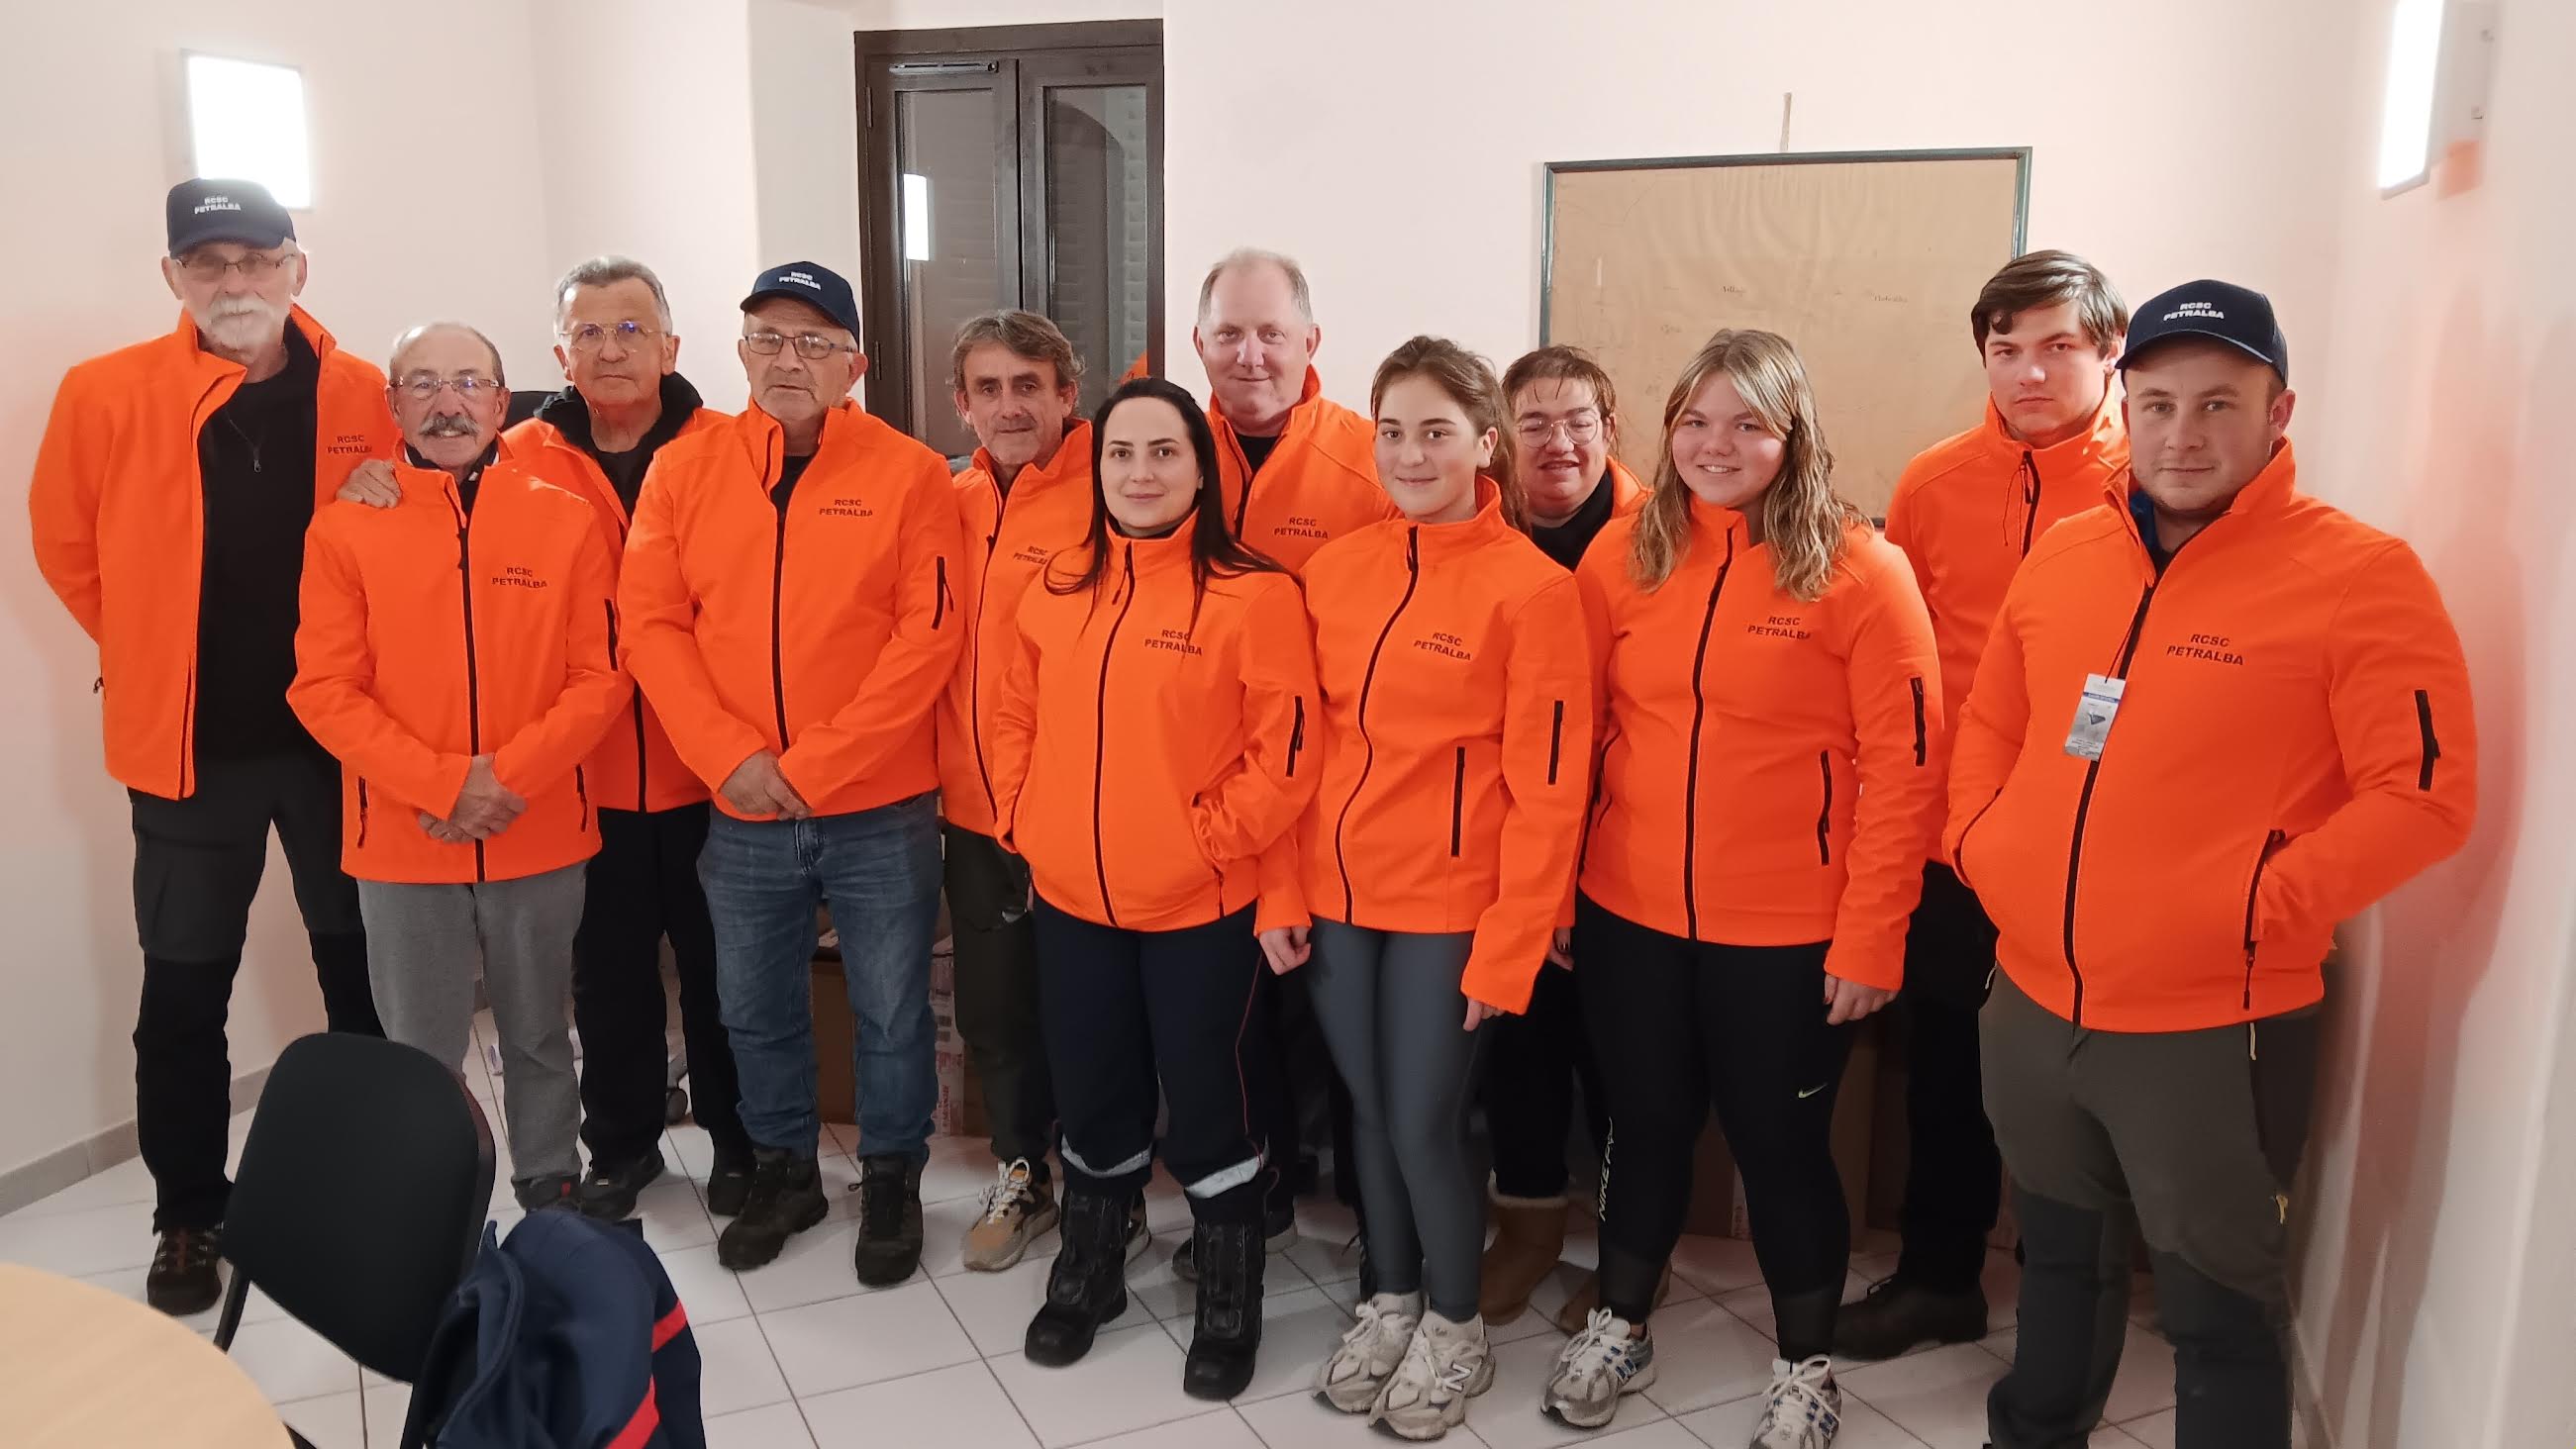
(80, 1366)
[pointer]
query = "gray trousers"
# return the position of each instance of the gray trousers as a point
(1391, 1013)
(424, 944)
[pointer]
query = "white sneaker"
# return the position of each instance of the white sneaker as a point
(1445, 1365)
(1371, 1348)
(1609, 1358)
(1804, 1410)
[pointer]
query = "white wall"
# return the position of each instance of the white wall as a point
(804, 126)
(2436, 1303)
(645, 119)
(426, 190)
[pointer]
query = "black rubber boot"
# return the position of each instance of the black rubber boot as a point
(1227, 1333)
(1087, 1287)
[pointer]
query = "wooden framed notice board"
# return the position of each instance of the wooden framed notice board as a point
(1867, 260)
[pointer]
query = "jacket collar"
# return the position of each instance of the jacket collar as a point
(1071, 455)
(568, 413)
(1478, 530)
(296, 317)
(1300, 413)
(2268, 493)
(765, 442)
(1153, 555)
(2097, 446)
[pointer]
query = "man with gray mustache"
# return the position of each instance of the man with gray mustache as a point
(168, 509)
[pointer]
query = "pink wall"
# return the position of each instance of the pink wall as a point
(2435, 1305)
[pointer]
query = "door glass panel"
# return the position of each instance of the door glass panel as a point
(950, 267)
(1099, 234)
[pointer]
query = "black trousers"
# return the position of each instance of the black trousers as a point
(1953, 1175)
(996, 948)
(1680, 1024)
(2201, 1133)
(197, 867)
(1312, 1104)
(641, 887)
(1532, 1061)
(1126, 1011)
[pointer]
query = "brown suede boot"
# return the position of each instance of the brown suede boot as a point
(1588, 1297)
(1529, 1236)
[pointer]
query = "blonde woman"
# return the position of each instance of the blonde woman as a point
(1770, 703)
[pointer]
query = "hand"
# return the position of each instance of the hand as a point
(1287, 948)
(1478, 1013)
(757, 787)
(442, 832)
(372, 483)
(1560, 949)
(1850, 1001)
(485, 807)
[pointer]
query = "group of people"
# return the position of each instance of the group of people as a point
(1432, 731)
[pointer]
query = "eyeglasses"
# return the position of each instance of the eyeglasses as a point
(206, 267)
(592, 336)
(812, 346)
(470, 388)
(1578, 429)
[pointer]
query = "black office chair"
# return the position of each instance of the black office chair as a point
(361, 1197)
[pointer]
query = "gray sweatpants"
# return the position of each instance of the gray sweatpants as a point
(1391, 1013)
(424, 943)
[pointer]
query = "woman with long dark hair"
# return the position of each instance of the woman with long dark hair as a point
(1150, 744)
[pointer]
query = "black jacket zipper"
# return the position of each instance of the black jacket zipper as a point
(473, 679)
(1921, 745)
(362, 812)
(941, 603)
(975, 642)
(581, 791)
(1100, 738)
(2029, 499)
(1359, 716)
(1242, 460)
(1296, 736)
(777, 607)
(1555, 741)
(1699, 718)
(2432, 746)
(1458, 805)
(1825, 811)
(2253, 890)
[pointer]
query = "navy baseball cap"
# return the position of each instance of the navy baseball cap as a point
(202, 211)
(2238, 316)
(815, 285)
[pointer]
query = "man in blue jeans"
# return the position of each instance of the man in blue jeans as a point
(787, 605)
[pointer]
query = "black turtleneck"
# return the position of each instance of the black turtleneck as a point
(1256, 451)
(255, 463)
(468, 483)
(1565, 542)
(569, 413)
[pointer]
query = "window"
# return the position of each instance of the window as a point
(2406, 105)
(246, 122)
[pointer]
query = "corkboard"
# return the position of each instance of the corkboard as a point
(1868, 262)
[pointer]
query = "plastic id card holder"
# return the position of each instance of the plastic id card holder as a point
(2094, 711)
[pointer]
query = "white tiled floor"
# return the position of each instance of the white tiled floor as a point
(797, 1354)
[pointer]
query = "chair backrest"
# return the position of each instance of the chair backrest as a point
(361, 1196)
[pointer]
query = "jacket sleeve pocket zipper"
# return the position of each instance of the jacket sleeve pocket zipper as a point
(362, 812)
(1921, 745)
(1555, 741)
(2432, 746)
(1296, 736)
(581, 789)
(2253, 894)
(1825, 812)
(1458, 805)
(940, 604)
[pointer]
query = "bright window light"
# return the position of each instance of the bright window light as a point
(246, 121)
(916, 217)
(2406, 106)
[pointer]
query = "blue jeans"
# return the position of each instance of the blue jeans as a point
(878, 870)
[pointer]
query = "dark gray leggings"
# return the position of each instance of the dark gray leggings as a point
(1390, 1009)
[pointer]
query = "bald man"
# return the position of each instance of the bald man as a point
(455, 655)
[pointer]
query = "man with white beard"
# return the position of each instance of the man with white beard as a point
(169, 503)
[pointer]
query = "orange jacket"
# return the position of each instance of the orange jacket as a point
(634, 767)
(824, 634)
(118, 512)
(1629, 493)
(1007, 541)
(431, 635)
(1771, 769)
(1968, 509)
(1456, 727)
(1319, 482)
(2294, 740)
(1149, 749)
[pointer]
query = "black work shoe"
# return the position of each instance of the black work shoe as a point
(786, 1198)
(1087, 1283)
(728, 1186)
(1227, 1330)
(889, 1220)
(552, 1190)
(183, 1279)
(1897, 1314)
(609, 1193)
(1278, 1232)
